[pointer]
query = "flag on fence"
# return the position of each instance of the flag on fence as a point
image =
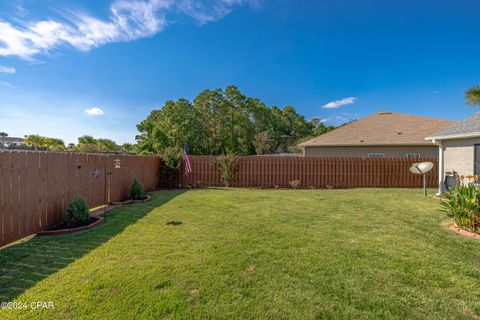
(187, 166)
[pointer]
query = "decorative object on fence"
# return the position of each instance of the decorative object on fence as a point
(95, 173)
(117, 163)
(422, 168)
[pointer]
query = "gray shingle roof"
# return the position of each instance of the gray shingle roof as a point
(468, 127)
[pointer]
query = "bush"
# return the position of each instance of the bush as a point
(227, 164)
(171, 164)
(77, 213)
(463, 206)
(294, 184)
(136, 190)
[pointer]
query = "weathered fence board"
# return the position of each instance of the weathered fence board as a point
(312, 172)
(36, 187)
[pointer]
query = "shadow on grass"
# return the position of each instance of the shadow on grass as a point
(25, 264)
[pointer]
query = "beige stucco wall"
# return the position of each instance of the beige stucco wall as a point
(401, 151)
(459, 155)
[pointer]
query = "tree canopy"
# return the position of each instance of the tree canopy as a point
(221, 121)
(38, 142)
(85, 143)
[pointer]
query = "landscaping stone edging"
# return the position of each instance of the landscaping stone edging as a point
(121, 203)
(97, 221)
(465, 233)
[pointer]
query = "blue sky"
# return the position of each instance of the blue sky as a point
(60, 58)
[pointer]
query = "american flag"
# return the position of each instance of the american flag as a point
(187, 166)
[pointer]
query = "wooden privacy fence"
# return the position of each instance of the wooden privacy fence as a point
(36, 187)
(312, 172)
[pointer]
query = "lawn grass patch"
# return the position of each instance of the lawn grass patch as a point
(265, 254)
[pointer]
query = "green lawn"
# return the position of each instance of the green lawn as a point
(264, 254)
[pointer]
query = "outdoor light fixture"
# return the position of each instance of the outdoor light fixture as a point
(117, 163)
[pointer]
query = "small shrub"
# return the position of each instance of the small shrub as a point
(136, 190)
(463, 206)
(294, 184)
(227, 164)
(170, 168)
(77, 213)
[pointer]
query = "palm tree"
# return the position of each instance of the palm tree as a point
(34, 141)
(472, 96)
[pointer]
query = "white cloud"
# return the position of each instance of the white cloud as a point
(94, 111)
(339, 103)
(127, 21)
(7, 69)
(216, 10)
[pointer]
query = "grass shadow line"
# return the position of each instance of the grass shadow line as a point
(23, 265)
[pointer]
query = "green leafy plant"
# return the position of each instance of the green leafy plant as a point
(463, 206)
(136, 190)
(77, 213)
(227, 164)
(170, 168)
(294, 184)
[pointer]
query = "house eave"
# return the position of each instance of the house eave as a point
(367, 145)
(454, 136)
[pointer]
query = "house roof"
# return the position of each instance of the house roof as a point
(470, 127)
(11, 139)
(382, 129)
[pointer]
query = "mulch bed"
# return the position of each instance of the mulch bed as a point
(95, 218)
(121, 203)
(94, 221)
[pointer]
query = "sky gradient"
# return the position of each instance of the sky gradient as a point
(99, 67)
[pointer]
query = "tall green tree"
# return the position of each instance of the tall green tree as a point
(472, 96)
(175, 124)
(219, 122)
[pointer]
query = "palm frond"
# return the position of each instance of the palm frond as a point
(472, 96)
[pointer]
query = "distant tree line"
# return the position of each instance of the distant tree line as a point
(224, 121)
(87, 144)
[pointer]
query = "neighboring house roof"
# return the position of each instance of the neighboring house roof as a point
(11, 139)
(470, 127)
(381, 129)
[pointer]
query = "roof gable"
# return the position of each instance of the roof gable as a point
(468, 127)
(382, 128)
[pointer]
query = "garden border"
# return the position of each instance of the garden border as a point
(463, 232)
(95, 215)
(97, 221)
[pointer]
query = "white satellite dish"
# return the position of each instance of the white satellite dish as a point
(422, 168)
